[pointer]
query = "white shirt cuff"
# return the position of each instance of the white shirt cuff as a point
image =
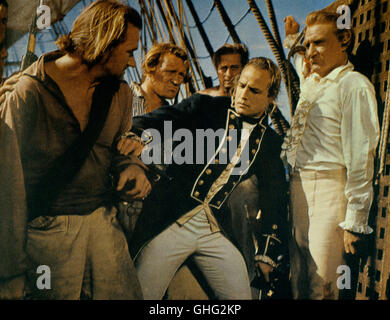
(290, 40)
(356, 221)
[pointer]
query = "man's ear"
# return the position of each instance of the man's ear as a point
(346, 38)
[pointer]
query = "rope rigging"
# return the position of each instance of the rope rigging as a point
(274, 25)
(183, 16)
(201, 30)
(279, 55)
(165, 15)
(179, 32)
(237, 23)
(156, 17)
(242, 18)
(150, 24)
(205, 19)
(226, 20)
(185, 42)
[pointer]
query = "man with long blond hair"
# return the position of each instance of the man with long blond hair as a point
(57, 128)
(330, 152)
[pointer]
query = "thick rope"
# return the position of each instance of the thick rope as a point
(268, 36)
(274, 25)
(292, 78)
(279, 122)
(278, 53)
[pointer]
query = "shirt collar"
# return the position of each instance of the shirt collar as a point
(262, 120)
(335, 74)
(37, 70)
(137, 90)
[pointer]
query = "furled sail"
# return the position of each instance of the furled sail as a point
(22, 11)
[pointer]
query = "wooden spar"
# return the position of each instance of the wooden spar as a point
(201, 30)
(226, 20)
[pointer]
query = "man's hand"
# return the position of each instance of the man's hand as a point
(142, 185)
(265, 269)
(12, 289)
(128, 146)
(290, 25)
(351, 240)
(8, 85)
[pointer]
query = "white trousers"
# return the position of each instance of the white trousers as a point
(219, 260)
(318, 205)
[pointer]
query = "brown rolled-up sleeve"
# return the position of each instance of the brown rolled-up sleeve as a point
(13, 208)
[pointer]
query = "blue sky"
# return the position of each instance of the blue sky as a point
(248, 30)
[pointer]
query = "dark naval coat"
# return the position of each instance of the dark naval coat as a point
(191, 181)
